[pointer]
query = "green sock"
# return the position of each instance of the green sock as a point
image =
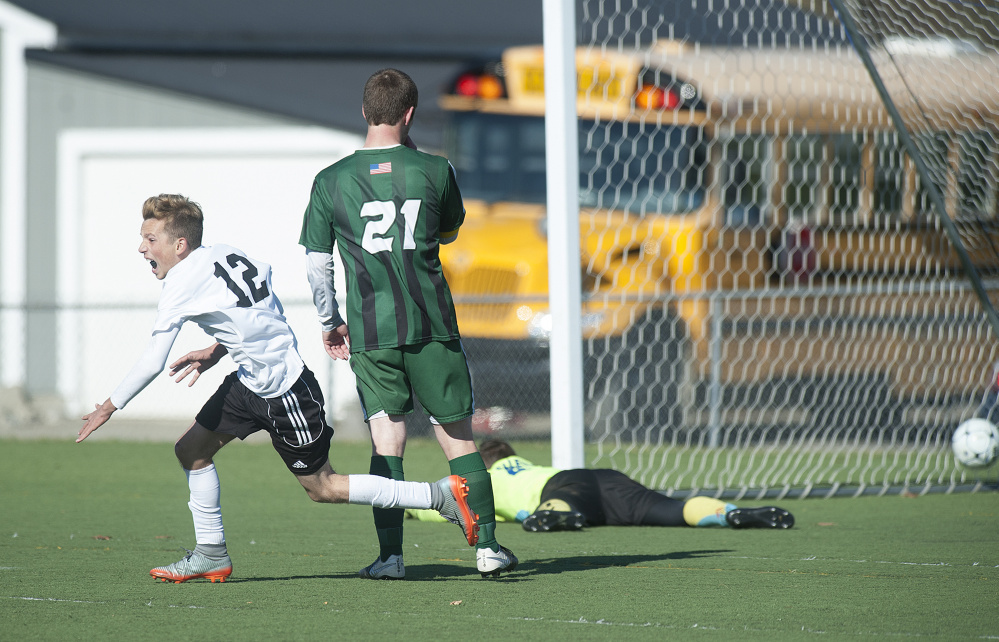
(480, 496)
(388, 521)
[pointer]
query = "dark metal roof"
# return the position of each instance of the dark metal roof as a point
(309, 59)
(321, 26)
(316, 91)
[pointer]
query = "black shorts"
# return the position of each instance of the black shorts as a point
(295, 420)
(604, 496)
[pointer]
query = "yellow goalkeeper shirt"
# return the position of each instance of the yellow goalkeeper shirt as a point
(517, 486)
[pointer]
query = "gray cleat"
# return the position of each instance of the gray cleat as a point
(193, 566)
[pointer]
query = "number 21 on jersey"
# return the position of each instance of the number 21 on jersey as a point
(377, 236)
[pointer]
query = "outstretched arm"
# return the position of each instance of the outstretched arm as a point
(142, 373)
(196, 362)
(96, 419)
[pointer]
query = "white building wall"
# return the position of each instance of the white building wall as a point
(61, 99)
(252, 199)
(253, 185)
(18, 30)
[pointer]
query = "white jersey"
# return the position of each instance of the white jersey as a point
(230, 297)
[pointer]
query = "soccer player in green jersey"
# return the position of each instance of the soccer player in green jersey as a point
(387, 208)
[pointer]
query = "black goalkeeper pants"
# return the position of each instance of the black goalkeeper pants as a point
(608, 497)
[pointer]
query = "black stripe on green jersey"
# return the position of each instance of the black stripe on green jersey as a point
(396, 287)
(362, 278)
(435, 205)
(399, 186)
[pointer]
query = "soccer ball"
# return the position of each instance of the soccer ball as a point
(976, 443)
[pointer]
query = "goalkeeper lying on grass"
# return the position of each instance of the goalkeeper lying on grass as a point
(546, 499)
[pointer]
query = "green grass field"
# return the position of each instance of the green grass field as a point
(81, 525)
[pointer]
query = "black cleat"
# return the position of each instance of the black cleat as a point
(765, 517)
(544, 521)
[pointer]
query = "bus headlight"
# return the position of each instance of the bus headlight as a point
(591, 321)
(539, 327)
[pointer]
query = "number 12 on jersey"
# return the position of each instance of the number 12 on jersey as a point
(249, 272)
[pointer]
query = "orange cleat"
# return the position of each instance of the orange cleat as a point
(193, 566)
(456, 509)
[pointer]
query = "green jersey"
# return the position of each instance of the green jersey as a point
(385, 209)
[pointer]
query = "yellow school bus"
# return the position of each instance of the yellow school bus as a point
(720, 170)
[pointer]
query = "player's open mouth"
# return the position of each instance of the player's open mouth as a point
(153, 264)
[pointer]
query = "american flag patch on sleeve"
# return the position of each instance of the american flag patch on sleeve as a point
(381, 168)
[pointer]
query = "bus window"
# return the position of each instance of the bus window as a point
(934, 148)
(532, 157)
(642, 169)
(805, 157)
(746, 176)
(978, 179)
(889, 175)
(823, 178)
(499, 157)
(845, 171)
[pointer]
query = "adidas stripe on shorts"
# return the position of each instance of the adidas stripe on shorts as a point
(296, 420)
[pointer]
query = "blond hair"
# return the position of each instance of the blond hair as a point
(181, 216)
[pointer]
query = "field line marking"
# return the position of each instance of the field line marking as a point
(815, 558)
(50, 599)
(29, 598)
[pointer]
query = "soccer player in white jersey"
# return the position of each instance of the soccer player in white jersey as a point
(229, 295)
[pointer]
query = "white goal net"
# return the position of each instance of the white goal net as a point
(788, 313)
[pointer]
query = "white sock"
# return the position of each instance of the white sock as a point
(381, 492)
(206, 505)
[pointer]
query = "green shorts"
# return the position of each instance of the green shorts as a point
(435, 371)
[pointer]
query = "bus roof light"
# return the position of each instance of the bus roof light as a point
(490, 87)
(467, 85)
(478, 84)
(653, 97)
